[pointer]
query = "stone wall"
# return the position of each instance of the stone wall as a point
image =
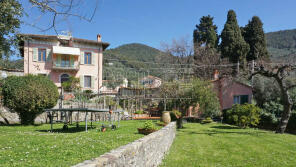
(145, 152)
(7, 72)
(13, 118)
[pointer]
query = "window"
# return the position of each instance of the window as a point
(87, 58)
(65, 61)
(64, 78)
(241, 99)
(236, 100)
(41, 54)
(87, 81)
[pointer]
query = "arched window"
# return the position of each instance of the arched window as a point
(64, 78)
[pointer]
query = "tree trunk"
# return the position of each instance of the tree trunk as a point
(285, 118)
(27, 118)
(180, 123)
(287, 103)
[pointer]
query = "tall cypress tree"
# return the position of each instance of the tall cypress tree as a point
(253, 34)
(206, 33)
(233, 44)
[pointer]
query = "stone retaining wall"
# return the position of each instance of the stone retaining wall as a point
(13, 118)
(145, 152)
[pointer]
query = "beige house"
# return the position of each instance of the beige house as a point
(60, 57)
(151, 82)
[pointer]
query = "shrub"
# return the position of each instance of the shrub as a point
(148, 125)
(71, 85)
(207, 120)
(29, 95)
(244, 115)
(203, 94)
(139, 112)
(160, 123)
(291, 127)
(268, 121)
(175, 114)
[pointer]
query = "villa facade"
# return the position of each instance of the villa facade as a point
(60, 57)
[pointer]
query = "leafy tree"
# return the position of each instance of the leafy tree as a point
(281, 74)
(12, 64)
(233, 44)
(253, 34)
(10, 14)
(72, 84)
(203, 94)
(29, 95)
(206, 33)
(265, 90)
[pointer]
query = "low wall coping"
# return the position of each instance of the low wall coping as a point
(146, 151)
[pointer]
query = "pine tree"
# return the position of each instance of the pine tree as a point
(254, 35)
(206, 33)
(233, 44)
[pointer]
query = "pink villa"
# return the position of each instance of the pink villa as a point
(60, 57)
(231, 92)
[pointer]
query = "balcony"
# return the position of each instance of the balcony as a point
(65, 58)
(68, 67)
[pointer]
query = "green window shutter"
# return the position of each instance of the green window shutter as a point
(58, 61)
(82, 81)
(48, 75)
(93, 58)
(48, 54)
(72, 61)
(92, 82)
(81, 57)
(35, 54)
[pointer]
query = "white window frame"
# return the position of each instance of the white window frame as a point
(90, 86)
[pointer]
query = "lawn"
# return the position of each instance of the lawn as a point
(222, 145)
(35, 146)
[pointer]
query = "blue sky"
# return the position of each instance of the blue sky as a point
(154, 21)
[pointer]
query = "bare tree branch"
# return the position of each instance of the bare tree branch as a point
(62, 8)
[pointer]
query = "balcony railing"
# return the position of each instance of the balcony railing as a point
(65, 66)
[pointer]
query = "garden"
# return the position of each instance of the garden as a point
(216, 144)
(35, 145)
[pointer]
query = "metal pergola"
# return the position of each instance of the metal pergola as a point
(51, 112)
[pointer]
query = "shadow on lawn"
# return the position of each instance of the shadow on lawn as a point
(19, 125)
(225, 127)
(215, 132)
(69, 130)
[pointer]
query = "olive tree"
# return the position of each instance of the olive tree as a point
(29, 95)
(281, 73)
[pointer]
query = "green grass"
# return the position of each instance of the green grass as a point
(222, 145)
(35, 146)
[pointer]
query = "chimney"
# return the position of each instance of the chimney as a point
(71, 42)
(99, 38)
(216, 75)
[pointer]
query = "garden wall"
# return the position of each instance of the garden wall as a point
(13, 118)
(147, 151)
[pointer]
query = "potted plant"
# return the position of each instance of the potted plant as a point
(148, 128)
(160, 123)
(103, 128)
